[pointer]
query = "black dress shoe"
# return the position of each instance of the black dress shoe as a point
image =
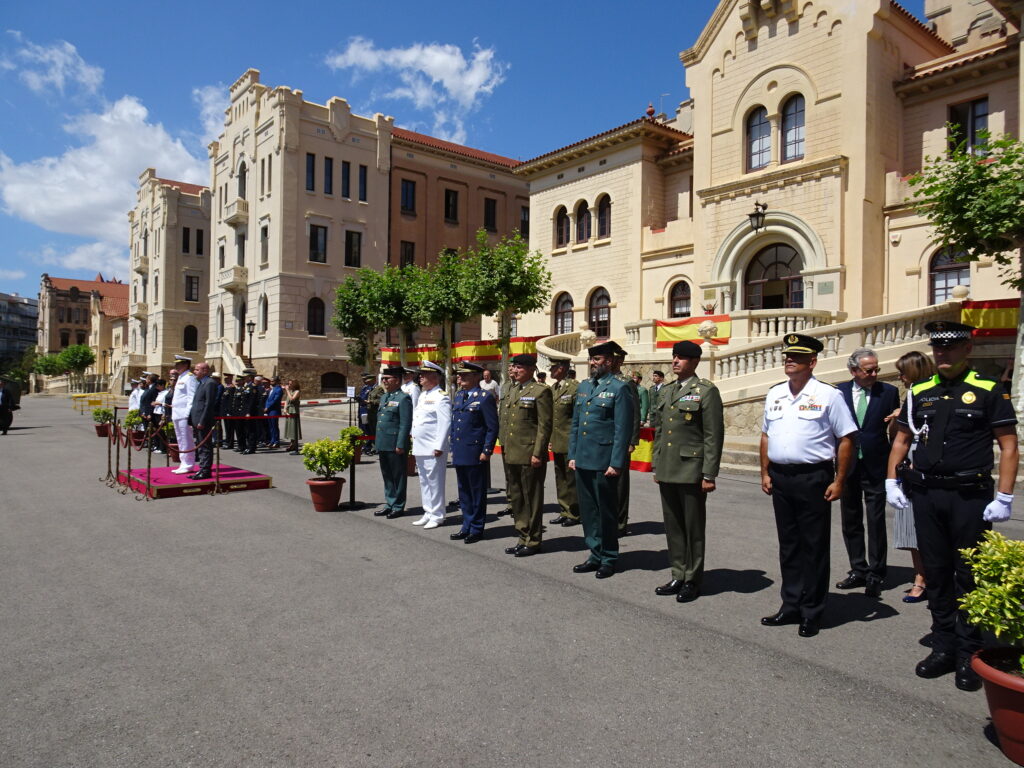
(458, 535)
(200, 476)
(394, 513)
(852, 581)
(568, 522)
(671, 588)
(557, 520)
(513, 550)
(688, 593)
(382, 512)
(808, 628)
(624, 531)
(780, 619)
(525, 551)
(473, 538)
(586, 567)
(605, 571)
(873, 587)
(936, 664)
(966, 678)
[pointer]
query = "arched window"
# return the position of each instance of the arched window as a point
(264, 314)
(604, 216)
(242, 175)
(582, 222)
(315, 317)
(759, 139)
(190, 339)
(773, 279)
(561, 228)
(679, 300)
(333, 382)
(600, 313)
(220, 323)
(945, 273)
(793, 128)
(563, 314)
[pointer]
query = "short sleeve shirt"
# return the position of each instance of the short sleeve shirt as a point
(805, 428)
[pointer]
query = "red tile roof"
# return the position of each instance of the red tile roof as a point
(457, 149)
(190, 189)
(105, 287)
(950, 62)
(912, 18)
(114, 306)
(682, 135)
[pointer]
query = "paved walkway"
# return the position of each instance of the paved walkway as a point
(248, 630)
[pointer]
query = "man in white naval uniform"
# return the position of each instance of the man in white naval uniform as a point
(431, 427)
(135, 396)
(409, 385)
(181, 407)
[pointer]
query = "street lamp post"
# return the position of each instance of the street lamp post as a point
(251, 327)
(757, 217)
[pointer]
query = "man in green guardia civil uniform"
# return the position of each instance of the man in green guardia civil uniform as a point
(602, 425)
(634, 440)
(394, 421)
(524, 429)
(563, 391)
(687, 453)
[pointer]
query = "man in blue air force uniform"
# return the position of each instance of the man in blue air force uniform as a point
(394, 422)
(474, 430)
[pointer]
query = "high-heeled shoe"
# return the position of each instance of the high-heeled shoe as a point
(909, 598)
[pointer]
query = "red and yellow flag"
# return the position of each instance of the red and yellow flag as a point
(992, 318)
(488, 350)
(671, 331)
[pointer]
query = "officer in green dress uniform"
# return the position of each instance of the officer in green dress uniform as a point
(394, 420)
(634, 440)
(563, 391)
(653, 393)
(372, 409)
(955, 415)
(524, 429)
(602, 427)
(687, 452)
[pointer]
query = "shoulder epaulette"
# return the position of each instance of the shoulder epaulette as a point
(706, 382)
(979, 381)
(921, 386)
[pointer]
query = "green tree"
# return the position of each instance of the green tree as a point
(974, 201)
(20, 369)
(49, 365)
(439, 297)
(350, 318)
(76, 359)
(506, 279)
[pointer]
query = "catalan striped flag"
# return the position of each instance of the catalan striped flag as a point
(671, 331)
(992, 318)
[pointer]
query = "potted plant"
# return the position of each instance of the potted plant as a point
(170, 440)
(326, 458)
(996, 604)
(103, 417)
(709, 307)
(132, 422)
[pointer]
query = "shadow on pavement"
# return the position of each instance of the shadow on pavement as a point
(720, 580)
(647, 527)
(846, 608)
(642, 560)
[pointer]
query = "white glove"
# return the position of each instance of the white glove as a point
(998, 510)
(894, 495)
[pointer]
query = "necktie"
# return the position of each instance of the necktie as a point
(862, 406)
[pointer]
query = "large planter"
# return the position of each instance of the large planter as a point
(103, 430)
(325, 493)
(1005, 693)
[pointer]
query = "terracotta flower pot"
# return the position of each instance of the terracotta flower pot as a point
(325, 493)
(102, 430)
(1005, 693)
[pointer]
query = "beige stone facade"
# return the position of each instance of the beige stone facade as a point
(820, 110)
(65, 313)
(108, 336)
(170, 245)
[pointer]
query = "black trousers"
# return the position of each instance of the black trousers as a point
(803, 520)
(204, 448)
(622, 511)
(948, 520)
(253, 433)
(864, 497)
(229, 432)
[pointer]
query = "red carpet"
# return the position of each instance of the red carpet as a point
(164, 484)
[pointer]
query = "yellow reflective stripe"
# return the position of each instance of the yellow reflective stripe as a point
(921, 386)
(976, 381)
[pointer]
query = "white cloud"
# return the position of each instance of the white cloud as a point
(432, 76)
(11, 274)
(109, 259)
(56, 67)
(212, 100)
(89, 189)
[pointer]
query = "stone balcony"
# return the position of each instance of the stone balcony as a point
(140, 264)
(236, 213)
(234, 278)
(140, 310)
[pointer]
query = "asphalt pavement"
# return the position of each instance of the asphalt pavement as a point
(248, 630)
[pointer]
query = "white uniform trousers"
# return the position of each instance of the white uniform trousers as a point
(432, 476)
(186, 443)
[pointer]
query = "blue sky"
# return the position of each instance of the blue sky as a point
(92, 94)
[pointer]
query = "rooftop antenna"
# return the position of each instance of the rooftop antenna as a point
(661, 103)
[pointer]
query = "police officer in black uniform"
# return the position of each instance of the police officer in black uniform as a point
(227, 399)
(955, 414)
(246, 404)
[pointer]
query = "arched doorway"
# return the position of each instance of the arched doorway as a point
(773, 279)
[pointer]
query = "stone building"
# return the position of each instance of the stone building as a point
(170, 251)
(108, 332)
(64, 309)
(19, 318)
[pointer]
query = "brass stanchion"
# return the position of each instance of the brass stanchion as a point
(109, 476)
(216, 459)
(128, 469)
(117, 455)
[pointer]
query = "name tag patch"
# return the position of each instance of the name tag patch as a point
(606, 394)
(527, 399)
(689, 398)
(812, 407)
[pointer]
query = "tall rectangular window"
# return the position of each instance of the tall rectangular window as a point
(524, 221)
(318, 243)
(200, 245)
(191, 287)
(185, 244)
(353, 249)
(406, 254)
(346, 178)
(310, 171)
(270, 172)
(328, 175)
(451, 206)
(969, 120)
(240, 250)
(220, 257)
(263, 174)
(408, 196)
(490, 214)
(264, 244)
(362, 183)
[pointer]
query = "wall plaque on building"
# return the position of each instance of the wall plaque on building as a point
(826, 287)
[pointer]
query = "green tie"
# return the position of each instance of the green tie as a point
(862, 408)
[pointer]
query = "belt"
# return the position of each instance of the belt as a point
(972, 479)
(801, 469)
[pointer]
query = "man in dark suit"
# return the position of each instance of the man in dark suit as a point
(474, 430)
(273, 408)
(146, 409)
(872, 404)
(6, 407)
(203, 418)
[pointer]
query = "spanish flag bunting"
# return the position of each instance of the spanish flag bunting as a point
(992, 318)
(487, 350)
(671, 331)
